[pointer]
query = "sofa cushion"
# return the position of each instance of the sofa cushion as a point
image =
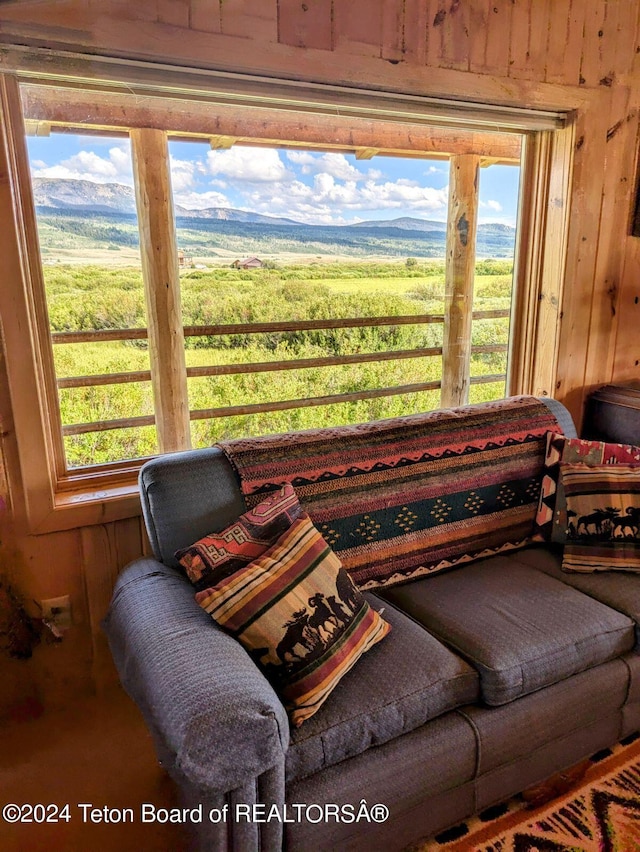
(548, 715)
(396, 687)
(520, 628)
(618, 589)
(218, 554)
(297, 612)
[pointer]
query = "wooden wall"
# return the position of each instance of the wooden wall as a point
(545, 53)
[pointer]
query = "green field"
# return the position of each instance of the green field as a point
(98, 297)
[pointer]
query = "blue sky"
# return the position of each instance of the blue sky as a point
(308, 186)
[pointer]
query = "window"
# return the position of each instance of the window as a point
(273, 282)
(299, 343)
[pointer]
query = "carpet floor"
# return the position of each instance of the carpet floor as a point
(601, 814)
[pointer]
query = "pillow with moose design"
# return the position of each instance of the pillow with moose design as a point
(297, 612)
(603, 517)
(551, 520)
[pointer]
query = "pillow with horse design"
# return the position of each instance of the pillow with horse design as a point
(221, 553)
(297, 612)
(603, 517)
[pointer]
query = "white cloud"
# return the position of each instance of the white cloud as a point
(201, 200)
(302, 158)
(121, 159)
(182, 174)
(328, 201)
(336, 165)
(405, 193)
(87, 165)
(253, 165)
(492, 205)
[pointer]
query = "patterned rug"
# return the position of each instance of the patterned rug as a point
(601, 815)
(408, 496)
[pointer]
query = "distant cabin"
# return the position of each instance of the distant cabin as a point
(184, 260)
(248, 263)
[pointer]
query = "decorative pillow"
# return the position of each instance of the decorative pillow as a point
(217, 555)
(551, 520)
(297, 612)
(603, 517)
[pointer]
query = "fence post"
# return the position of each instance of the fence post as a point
(462, 223)
(159, 255)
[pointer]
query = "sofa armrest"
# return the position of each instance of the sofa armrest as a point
(215, 718)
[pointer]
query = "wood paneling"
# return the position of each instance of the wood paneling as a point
(561, 41)
(496, 58)
(450, 35)
(590, 68)
(478, 22)
(306, 24)
(627, 350)
(414, 32)
(553, 54)
(174, 12)
(256, 20)
(392, 32)
(358, 27)
(205, 15)
(106, 549)
(584, 228)
(616, 203)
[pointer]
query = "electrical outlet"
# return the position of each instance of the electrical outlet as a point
(57, 612)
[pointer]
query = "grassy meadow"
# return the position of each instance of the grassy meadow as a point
(84, 297)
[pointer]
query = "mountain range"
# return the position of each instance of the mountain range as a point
(88, 196)
(105, 213)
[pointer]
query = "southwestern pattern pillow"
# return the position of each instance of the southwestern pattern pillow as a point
(219, 554)
(603, 517)
(297, 612)
(551, 518)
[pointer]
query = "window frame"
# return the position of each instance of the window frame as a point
(50, 499)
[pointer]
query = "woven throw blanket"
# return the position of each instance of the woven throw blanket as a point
(410, 495)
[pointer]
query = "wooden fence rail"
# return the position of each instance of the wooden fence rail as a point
(228, 329)
(101, 379)
(109, 334)
(261, 407)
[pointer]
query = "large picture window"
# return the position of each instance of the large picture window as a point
(312, 286)
(205, 273)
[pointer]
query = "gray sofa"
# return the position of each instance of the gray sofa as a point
(495, 675)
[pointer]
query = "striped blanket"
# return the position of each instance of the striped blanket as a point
(411, 495)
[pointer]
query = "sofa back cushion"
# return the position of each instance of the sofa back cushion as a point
(185, 496)
(412, 495)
